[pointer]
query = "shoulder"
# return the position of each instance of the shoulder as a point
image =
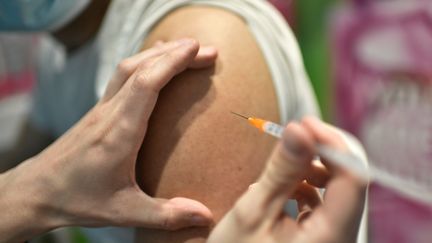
(241, 71)
(210, 25)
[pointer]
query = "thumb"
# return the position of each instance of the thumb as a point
(141, 210)
(180, 212)
(285, 169)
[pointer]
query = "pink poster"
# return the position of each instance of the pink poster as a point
(17, 67)
(383, 73)
(17, 78)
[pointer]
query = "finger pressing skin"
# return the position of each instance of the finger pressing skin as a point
(129, 65)
(180, 213)
(139, 210)
(287, 165)
(206, 57)
(169, 64)
(142, 89)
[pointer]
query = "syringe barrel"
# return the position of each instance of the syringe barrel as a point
(273, 129)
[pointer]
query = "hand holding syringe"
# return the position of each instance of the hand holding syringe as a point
(416, 188)
(260, 214)
(347, 160)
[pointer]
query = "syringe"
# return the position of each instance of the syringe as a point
(347, 161)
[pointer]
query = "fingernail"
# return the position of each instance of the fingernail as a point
(251, 186)
(293, 146)
(208, 50)
(159, 43)
(185, 41)
(199, 220)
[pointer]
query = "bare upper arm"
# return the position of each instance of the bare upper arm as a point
(194, 147)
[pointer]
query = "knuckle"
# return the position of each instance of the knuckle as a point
(146, 63)
(101, 129)
(125, 67)
(143, 83)
(103, 140)
(175, 60)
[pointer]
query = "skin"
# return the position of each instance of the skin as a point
(86, 177)
(194, 146)
(258, 215)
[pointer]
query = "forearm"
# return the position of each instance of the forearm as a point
(25, 204)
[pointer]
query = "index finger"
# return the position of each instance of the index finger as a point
(138, 96)
(345, 194)
(285, 169)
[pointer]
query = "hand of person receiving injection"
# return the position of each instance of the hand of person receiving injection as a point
(258, 216)
(87, 177)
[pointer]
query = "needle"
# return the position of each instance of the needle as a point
(348, 161)
(247, 118)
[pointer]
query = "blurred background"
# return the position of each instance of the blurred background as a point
(370, 65)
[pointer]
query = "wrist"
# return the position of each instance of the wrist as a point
(27, 203)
